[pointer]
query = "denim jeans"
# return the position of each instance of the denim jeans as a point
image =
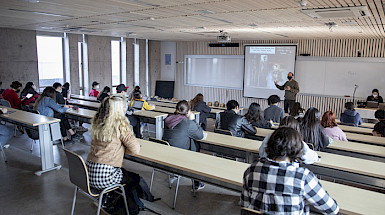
(6, 133)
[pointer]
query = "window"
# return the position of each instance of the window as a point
(115, 63)
(50, 60)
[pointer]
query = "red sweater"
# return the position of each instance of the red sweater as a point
(94, 93)
(12, 97)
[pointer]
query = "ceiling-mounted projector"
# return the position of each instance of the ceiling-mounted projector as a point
(223, 38)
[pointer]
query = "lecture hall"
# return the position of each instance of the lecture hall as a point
(196, 107)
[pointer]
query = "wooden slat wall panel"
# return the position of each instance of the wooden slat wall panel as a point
(327, 48)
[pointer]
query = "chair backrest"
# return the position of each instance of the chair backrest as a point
(247, 211)
(5, 103)
(78, 171)
(221, 131)
(159, 141)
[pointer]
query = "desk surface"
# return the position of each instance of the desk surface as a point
(363, 125)
(84, 103)
(82, 113)
(329, 160)
(350, 199)
(360, 130)
(89, 98)
(168, 110)
(366, 138)
(27, 118)
(173, 105)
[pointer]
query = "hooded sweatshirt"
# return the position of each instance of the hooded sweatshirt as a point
(12, 97)
(172, 120)
(351, 117)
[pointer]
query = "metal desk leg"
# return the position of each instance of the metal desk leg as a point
(46, 150)
(159, 128)
(249, 157)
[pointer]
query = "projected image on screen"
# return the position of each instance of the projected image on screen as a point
(263, 66)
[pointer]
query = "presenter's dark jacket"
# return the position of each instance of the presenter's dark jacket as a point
(236, 124)
(375, 99)
(204, 111)
(294, 89)
(181, 132)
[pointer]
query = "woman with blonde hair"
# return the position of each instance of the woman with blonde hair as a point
(111, 139)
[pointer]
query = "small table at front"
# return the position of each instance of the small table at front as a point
(41, 123)
(367, 113)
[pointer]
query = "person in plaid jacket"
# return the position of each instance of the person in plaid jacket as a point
(274, 185)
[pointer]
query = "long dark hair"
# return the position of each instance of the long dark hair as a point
(28, 88)
(296, 109)
(106, 89)
(311, 127)
(255, 113)
(48, 92)
(285, 142)
(182, 108)
(198, 98)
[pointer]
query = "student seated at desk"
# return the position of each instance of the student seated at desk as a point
(331, 127)
(255, 118)
(111, 139)
(312, 130)
(375, 97)
(29, 94)
(297, 110)
(274, 112)
(350, 115)
(66, 91)
(121, 90)
(131, 96)
(198, 104)
(309, 156)
(6, 130)
(138, 97)
(105, 93)
(47, 106)
(11, 95)
(181, 130)
(236, 124)
(59, 96)
(94, 92)
(379, 128)
(275, 185)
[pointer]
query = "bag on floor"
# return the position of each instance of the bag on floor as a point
(144, 191)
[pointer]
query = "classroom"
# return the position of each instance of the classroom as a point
(209, 107)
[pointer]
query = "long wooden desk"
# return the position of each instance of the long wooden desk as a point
(374, 140)
(363, 125)
(356, 170)
(352, 149)
(358, 130)
(151, 117)
(213, 113)
(85, 98)
(85, 104)
(43, 125)
(229, 174)
(172, 110)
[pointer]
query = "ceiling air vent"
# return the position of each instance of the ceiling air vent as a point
(337, 13)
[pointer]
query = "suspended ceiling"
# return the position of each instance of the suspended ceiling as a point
(192, 20)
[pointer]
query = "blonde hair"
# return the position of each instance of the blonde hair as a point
(110, 120)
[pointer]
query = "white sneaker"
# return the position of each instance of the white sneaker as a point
(6, 146)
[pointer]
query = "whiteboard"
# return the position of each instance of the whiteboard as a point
(337, 76)
(221, 71)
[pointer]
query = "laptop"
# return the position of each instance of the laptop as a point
(137, 105)
(371, 104)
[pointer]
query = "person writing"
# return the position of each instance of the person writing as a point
(375, 97)
(291, 88)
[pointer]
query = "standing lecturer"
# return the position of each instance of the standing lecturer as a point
(291, 88)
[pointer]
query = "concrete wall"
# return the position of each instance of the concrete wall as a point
(167, 71)
(18, 57)
(130, 63)
(154, 64)
(99, 61)
(74, 63)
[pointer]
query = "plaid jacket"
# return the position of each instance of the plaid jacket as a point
(102, 175)
(282, 188)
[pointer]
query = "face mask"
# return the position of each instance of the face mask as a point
(289, 77)
(374, 95)
(34, 87)
(97, 87)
